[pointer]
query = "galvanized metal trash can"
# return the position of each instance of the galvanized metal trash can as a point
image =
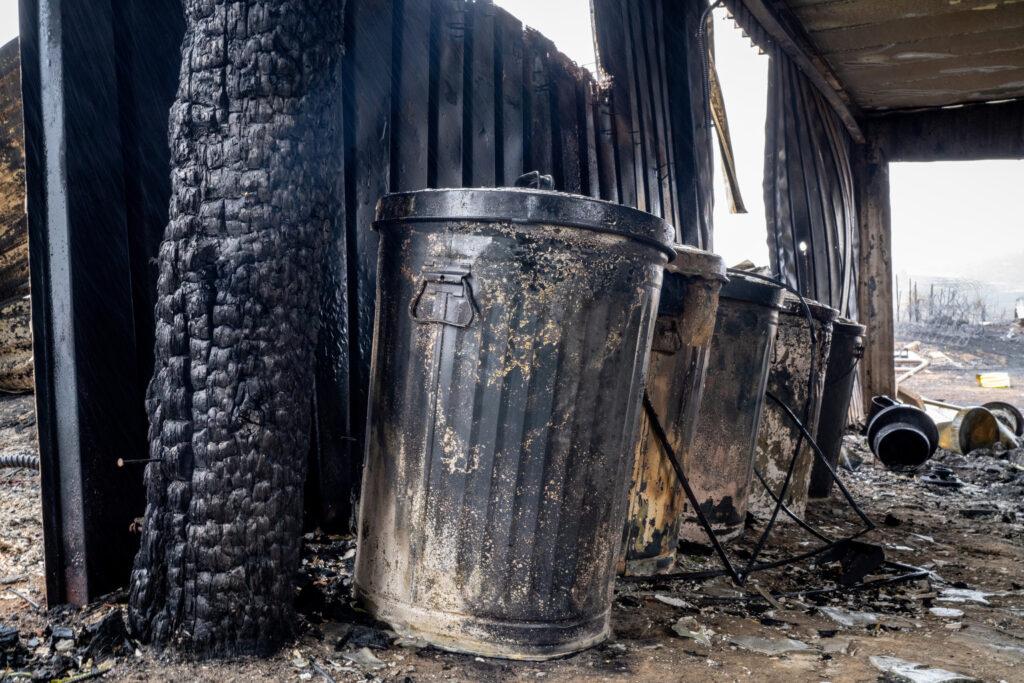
(788, 380)
(682, 337)
(846, 351)
(510, 351)
(720, 466)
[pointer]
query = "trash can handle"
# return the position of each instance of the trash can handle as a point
(452, 302)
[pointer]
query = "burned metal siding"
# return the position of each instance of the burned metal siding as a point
(808, 181)
(451, 93)
(434, 93)
(649, 50)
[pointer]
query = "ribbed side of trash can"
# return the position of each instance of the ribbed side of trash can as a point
(510, 351)
(788, 381)
(844, 354)
(720, 466)
(682, 337)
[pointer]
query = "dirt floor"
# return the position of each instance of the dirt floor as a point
(966, 617)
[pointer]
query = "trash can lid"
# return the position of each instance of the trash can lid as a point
(848, 327)
(525, 206)
(697, 262)
(819, 311)
(752, 290)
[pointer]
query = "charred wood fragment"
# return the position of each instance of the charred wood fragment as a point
(253, 150)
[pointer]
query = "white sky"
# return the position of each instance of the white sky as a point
(8, 20)
(962, 219)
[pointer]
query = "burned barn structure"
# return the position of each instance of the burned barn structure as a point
(459, 94)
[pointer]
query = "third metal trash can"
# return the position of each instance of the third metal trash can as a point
(686, 321)
(510, 348)
(788, 381)
(846, 351)
(720, 465)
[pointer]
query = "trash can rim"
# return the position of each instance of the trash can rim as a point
(751, 290)
(849, 327)
(697, 263)
(819, 311)
(526, 206)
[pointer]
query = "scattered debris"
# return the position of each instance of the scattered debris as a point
(994, 380)
(769, 646)
(674, 602)
(687, 627)
(365, 659)
(902, 671)
(963, 595)
(849, 618)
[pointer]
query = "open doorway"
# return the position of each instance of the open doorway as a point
(958, 266)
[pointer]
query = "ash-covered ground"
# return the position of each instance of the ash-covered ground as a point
(966, 616)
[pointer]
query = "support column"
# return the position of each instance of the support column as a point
(874, 293)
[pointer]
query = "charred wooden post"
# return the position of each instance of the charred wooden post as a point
(874, 268)
(237, 316)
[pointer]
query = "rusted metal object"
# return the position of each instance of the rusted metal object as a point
(720, 464)
(788, 380)
(1008, 414)
(972, 428)
(510, 349)
(682, 338)
(845, 352)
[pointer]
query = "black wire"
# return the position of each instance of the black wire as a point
(823, 460)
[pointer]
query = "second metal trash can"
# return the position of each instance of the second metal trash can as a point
(686, 322)
(720, 466)
(788, 381)
(510, 348)
(846, 351)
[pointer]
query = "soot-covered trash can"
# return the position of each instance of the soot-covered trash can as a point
(510, 351)
(788, 381)
(679, 350)
(720, 466)
(846, 351)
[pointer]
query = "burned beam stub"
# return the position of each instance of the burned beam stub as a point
(511, 347)
(720, 467)
(790, 380)
(237, 316)
(679, 351)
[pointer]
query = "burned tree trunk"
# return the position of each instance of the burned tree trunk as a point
(229, 403)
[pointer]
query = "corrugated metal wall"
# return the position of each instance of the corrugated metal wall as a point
(435, 93)
(808, 183)
(454, 93)
(649, 50)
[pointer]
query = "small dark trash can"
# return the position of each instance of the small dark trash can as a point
(720, 466)
(686, 322)
(787, 380)
(846, 351)
(510, 348)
